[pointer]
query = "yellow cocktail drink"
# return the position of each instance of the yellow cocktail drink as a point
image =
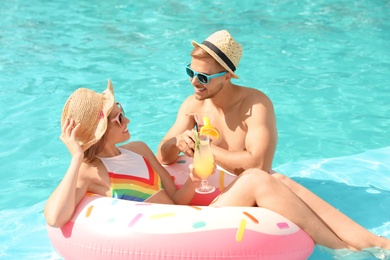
(204, 163)
(203, 159)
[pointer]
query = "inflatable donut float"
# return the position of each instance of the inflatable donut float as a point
(108, 228)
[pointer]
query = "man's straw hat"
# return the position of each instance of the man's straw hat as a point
(224, 49)
(91, 110)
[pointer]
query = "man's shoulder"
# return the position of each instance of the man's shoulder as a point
(190, 99)
(250, 90)
(191, 103)
(253, 94)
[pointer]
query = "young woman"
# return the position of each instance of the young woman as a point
(92, 126)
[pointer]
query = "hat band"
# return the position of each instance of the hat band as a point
(220, 54)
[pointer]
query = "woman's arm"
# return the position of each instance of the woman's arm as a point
(186, 192)
(61, 204)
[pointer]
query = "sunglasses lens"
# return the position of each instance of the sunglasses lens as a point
(121, 117)
(202, 78)
(190, 73)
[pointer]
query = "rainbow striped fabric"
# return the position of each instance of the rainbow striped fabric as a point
(130, 187)
(131, 176)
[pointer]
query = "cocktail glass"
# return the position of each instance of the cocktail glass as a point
(204, 164)
(199, 117)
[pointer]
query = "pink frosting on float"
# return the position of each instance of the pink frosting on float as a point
(106, 228)
(208, 245)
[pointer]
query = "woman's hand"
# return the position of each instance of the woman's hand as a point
(68, 137)
(193, 176)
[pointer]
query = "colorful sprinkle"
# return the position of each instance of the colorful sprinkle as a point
(199, 224)
(89, 211)
(240, 231)
(221, 180)
(135, 219)
(195, 207)
(181, 161)
(169, 214)
(111, 220)
(283, 225)
(255, 220)
(114, 201)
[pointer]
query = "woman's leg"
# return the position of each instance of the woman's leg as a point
(345, 228)
(257, 188)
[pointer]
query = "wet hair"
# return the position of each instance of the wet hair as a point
(92, 151)
(199, 53)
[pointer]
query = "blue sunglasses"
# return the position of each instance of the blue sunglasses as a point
(203, 78)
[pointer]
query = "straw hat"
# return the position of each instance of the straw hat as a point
(91, 110)
(224, 49)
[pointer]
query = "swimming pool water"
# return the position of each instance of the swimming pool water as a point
(325, 65)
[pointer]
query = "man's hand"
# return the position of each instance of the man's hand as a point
(185, 142)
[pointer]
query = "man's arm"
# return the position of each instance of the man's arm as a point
(260, 140)
(179, 138)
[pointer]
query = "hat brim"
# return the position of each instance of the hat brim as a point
(108, 105)
(215, 56)
(108, 100)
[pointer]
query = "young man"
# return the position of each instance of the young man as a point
(243, 116)
(246, 122)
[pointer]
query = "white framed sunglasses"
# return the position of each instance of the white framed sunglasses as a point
(121, 115)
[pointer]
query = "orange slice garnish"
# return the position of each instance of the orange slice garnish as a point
(208, 129)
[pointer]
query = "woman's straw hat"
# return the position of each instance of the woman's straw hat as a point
(91, 110)
(224, 49)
